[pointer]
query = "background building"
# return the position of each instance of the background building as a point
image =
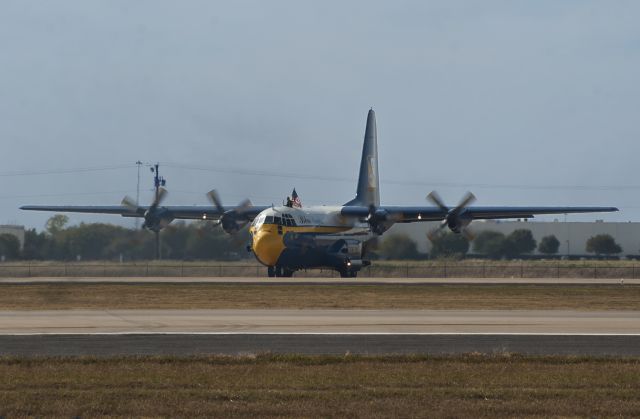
(573, 236)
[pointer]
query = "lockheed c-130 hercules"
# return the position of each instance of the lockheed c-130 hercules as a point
(288, 238)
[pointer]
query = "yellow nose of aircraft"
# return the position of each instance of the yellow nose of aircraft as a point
(267, 245)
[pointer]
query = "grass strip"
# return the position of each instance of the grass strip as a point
(241, 296)
(321, 386)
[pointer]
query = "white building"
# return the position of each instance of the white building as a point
(15, 230)
(572, 236)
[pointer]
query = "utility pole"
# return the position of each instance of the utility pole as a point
(158, 181)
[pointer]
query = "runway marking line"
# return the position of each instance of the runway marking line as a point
(316, 333)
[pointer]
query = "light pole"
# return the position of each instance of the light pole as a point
(137, 220)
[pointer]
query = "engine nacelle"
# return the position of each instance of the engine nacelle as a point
(456, 224)
(156, 220)
(230, 222)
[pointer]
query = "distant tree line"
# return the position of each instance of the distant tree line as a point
(202, 240)
(490, 244)
(179, 241)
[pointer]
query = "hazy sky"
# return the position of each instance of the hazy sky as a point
(521, 102)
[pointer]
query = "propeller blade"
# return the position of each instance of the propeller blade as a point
(436, 232)
(162, 194)
(215, 200)
(243, 206)
(238, 238)
(129, 203)
(231, 218)
(468, 234)
(435, 199)
(468, 199)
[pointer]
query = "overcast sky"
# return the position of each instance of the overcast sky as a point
(521, 102)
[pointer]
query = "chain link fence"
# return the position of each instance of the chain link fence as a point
(386, 270)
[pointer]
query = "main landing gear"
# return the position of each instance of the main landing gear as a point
(279, 271)
(348, 273)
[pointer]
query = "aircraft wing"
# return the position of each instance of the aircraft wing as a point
(417, 214)
(176, 212)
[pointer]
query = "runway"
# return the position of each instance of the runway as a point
(191, 332)
(320, 281)
(315, 344)
(320, 321)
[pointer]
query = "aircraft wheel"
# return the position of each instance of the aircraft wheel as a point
(278, 271)
(345, 273)
(271, 271)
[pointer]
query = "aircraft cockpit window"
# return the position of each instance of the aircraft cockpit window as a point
(288, 221)
(258, 221)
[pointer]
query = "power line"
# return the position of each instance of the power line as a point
(428, 184)
(46, 195)
(326, 178)
(65, 170)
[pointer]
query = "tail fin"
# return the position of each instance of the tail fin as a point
(368, 192)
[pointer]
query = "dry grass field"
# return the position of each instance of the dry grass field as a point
(380, 269)
(295, 386)
(245, 296)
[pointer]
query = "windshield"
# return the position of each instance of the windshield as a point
(258, 221)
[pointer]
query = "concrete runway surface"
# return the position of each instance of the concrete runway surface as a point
(324, 281)
(320, 321)
(191, 332)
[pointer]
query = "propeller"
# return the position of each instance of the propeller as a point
(454, 218)
(155, 217)
(233, 220)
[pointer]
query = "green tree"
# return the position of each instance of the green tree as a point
(603, 244)
(519, 242)
(549, 245)
(56, 223)
(449, 245)
(89, 241)
(399, 246)
(9, 246)
(36, 245)
(490, 243)
(174, 240)
(207, 241)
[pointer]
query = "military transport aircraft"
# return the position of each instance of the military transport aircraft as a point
(288, 238)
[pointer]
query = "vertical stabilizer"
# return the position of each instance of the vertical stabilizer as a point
(368, 192)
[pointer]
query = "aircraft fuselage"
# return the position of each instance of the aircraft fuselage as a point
(289, 239)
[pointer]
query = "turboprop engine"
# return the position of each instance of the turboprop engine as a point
(232, 220)
(455, 218)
